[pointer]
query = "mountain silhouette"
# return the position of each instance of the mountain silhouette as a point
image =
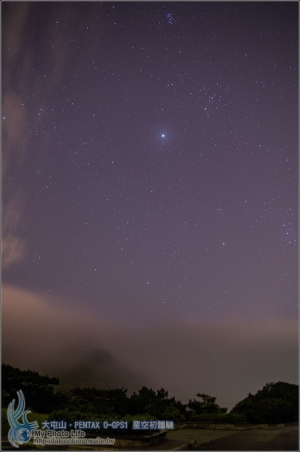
(101, 370)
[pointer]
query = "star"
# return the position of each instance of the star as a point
(163, 135)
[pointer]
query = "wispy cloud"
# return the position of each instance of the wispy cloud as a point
(14, 135)
(13, 245)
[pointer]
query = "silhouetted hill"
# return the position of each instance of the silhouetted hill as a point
(101, 370)
(275, 403)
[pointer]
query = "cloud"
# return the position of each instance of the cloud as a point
(14, 132)
(40, 328)
(13, 250)
(16, 67)
(228, 361)
(13, 245)
(25, 116)
(48, 334)
(13, 39)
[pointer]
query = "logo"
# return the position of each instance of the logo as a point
(19, 433)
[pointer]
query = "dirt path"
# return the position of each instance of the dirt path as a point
(284, 438)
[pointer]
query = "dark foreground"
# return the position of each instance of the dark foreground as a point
(284, 438)
(261, 439)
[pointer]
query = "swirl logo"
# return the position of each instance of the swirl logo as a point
(19, 433)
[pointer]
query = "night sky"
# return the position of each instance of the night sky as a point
(150, 172)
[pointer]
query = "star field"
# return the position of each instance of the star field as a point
(150, 157)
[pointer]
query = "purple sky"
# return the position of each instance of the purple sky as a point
(150, 167)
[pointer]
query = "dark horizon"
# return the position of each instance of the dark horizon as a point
(226, 360)
(150, 190)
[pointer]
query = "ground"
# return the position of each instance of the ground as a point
(251, 438)
(271, 438)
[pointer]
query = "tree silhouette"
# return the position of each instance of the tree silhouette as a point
(38, 389)
(207, 405)
(275, 403)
